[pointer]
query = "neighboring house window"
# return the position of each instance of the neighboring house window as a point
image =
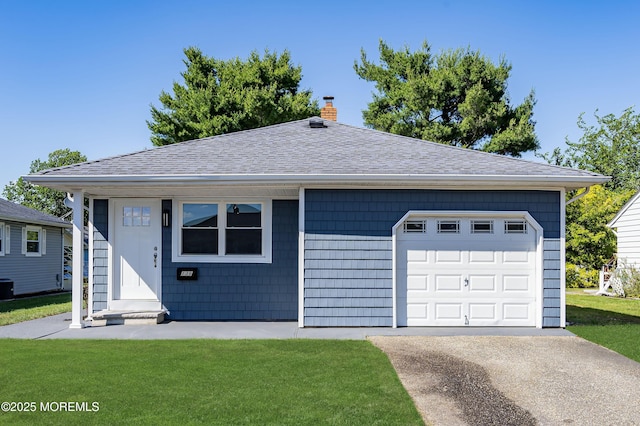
(2, 240)
(33, 241)
(223, 231)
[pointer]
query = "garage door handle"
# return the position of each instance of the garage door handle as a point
(466, 282)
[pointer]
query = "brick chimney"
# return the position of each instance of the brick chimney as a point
(328, 112)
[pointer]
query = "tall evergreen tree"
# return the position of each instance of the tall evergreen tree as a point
(457, 97)
(222, 96)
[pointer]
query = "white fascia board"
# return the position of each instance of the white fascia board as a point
(68, 181)
(612, 223)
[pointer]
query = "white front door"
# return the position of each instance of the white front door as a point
(462, 271)
(136, 252)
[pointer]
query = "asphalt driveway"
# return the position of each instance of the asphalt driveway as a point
(515, 380)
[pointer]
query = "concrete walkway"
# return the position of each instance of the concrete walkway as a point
(57, 327)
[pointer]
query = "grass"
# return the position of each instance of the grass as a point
(608, 321)
(20, 310)
(296, 382)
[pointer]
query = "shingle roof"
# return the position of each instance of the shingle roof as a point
(18, 213)
(296, 149)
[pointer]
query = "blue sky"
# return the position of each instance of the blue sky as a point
(82, 74)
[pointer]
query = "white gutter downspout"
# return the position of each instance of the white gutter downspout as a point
(577, 197)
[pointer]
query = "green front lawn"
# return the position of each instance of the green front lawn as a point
(608, 321)
(296, 382)
(20, 310)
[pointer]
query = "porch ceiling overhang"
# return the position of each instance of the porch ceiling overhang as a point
(288, 185)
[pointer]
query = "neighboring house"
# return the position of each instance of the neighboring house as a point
(31, 249)
(325, 224)
(626, 225)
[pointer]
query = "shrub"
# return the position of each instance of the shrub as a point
(580, 277)
(626, 280)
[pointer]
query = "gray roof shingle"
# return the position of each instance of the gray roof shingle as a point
(18, 213)
(296, 149)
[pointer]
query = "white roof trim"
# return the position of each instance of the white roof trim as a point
(612, 223)
(441, 179)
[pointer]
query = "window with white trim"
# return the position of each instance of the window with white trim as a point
(419, 226)
(199, 229)
(222, 231)
(481, 226)
(34, 241)
(448, 227)
(2, 241)
(515, 226)
(243, 233)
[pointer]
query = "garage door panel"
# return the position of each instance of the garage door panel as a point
(482, 283)
(448, 283)
(483, 311)
(516, 283)
(448, 311)
(448, 256)
(419, 268)
(515, 257)
(417, 282)
(516, 311)
(417, 255)
(418, 310)
(482, 256)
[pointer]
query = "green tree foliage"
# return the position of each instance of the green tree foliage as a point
(611, 147)
(221, 96)
(589, 243)
(457, 97)
(46, 200)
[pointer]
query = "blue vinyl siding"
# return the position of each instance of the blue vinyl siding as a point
(100, 253)
(551, 283)
(231, 291)
(348, 264)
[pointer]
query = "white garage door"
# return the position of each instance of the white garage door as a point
(463, 271)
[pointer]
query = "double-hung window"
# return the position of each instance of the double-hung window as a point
(243, 233)
(2, 239)
(199, 229)
(34, 241)
(223, 231)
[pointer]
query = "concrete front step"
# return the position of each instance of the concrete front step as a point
(103, 318)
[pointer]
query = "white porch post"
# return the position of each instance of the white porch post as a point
(78, 260)
(301, 231)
